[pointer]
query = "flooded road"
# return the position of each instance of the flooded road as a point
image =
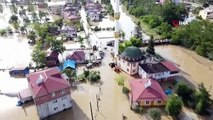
(194, 67)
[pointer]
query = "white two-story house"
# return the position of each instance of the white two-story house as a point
(50, 91)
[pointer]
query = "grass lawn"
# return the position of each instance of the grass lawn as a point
(149, 31)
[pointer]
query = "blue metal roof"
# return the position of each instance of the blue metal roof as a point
(69, 63)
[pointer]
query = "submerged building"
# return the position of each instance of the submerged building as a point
(50, 91)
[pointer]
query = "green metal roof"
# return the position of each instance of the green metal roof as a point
(132, 53)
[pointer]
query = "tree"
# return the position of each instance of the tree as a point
(155, 113)
(34, 17)
(136, 42)
(59, 22)
(16, 25)
(185, 92)
(120, 80)
(41, 14)
(81, 40)
(171, 11)
(202, 99)
(38, 56)
(150, 48)
(173, 105)
(57, 46)
(94, 76)
(1, 9)
(13, 9)
(30, 8)
(71, 74)
(31, 35)
(13, 19)
(23, 29)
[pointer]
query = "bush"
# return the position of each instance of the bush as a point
(152, 20)
(125, 90)
(96, 28)
(139, 109)
(154, 113)
(120, 80)
(94, 76)
(3, 32)
(81, 78)
(173, 105)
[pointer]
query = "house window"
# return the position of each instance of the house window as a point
(53, 94)
(119, 59)
(123, 61)
(147, 102)
(55, 101)
(63, 105)
(55, 108)
(64, 97)
(159, 101)
(128, 69)
(62, 92)
(134, 65)
(127, 64)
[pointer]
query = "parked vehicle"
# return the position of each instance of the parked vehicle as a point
(112, 65)
(89, 65)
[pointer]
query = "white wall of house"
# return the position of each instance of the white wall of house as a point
(145, 75)
(43, 110)
(129, 67)
(54, 106)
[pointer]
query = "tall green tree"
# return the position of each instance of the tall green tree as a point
(38, 56)
(41, 14)
(30, 8)
(31, 35)
(173, 105)
(57, 46)
(71, 74)
(136, 42)
(202, 99)
(150, 48)
(13, 9)
(185, 92)
(13, 19)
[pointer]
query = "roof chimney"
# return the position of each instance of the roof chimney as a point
(39, 80)
(148, 83)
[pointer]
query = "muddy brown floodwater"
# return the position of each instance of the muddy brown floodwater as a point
(195, 68)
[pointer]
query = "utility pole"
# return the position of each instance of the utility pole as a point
(97, 100)
(91, 110)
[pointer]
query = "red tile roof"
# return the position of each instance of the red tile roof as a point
(51, 82)
(139, 90)
(77, 55)
(170, 66)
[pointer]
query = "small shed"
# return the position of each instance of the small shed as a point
(15, 71)
(69, 64)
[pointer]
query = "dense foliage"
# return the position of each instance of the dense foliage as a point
(150, 48)
(173, 105)
(155, 113)
(196, 36)
(132, 42)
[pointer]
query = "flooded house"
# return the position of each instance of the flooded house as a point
(93, 11)
(69, 31)
(50, 91)
(70, 12)
(55, 9)
(146, 92)
(19, 71)
(52, 59)
(158, 71)
(78, 56)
